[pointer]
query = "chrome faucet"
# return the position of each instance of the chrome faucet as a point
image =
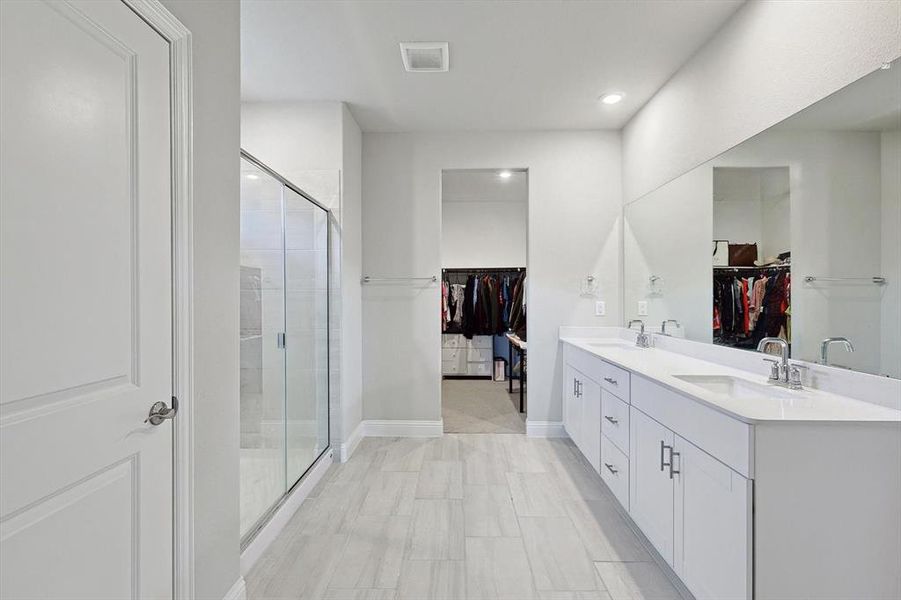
(824, 347)
(643, 340)
(663, 325)
(781, 372)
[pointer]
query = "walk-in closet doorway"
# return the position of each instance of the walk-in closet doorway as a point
(484, 300)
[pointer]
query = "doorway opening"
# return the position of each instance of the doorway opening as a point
(484, 225)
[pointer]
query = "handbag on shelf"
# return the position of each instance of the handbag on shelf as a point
(742, 255)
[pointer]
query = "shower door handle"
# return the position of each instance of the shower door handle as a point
(280, 340)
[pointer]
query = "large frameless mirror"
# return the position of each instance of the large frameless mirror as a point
(794, 233)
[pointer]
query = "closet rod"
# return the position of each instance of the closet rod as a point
(876, 280)
(484, 270)
(368, 279)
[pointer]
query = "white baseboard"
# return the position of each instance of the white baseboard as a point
(545, 429)
(403, 428)
(353, 440)
(283, 514)
(237, 592)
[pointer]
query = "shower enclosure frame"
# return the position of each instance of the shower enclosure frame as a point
(264, 518)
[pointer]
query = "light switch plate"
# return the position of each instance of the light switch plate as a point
(600, 308)
(642, 308)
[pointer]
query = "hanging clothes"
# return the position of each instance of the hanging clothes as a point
(487, 304)
(750, 304)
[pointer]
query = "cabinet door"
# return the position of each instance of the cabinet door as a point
(712, 526)
(650, 483)
(572, 407)
(590, 432)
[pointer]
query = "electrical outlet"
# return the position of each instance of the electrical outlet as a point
(642, 308)
(600, 308)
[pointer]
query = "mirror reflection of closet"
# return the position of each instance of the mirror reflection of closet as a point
(752, 255)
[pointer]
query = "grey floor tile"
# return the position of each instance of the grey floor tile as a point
(370, 594)
(373, 554)
(604, 532)
(484, 460)
(497, 568)
(437, 530)
(389, 493)
(569, 595)
(402, 454)
(535, 495)
(488, 511)
(558, 558)
(440, 479)
(636, 581)
(301, 570)
(432, 580)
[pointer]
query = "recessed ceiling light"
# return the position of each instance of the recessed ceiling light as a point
(252, 176)
(612, 97)
(505, 174)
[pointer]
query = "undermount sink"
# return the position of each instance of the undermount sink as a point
(736, 387)
(617, 345)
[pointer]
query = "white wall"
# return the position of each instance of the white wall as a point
(215, 28)
(573, 230)
(891, 252)
(317, 146)
(753, 206)
(483, 234)
(771, 59)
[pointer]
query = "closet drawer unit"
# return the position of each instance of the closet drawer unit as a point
(452, 340)
(455, 354)
(616, 381)
(615, 470)
(481, 341)
(478, 368)
(478, 355)
(615, 420)
(450, 367)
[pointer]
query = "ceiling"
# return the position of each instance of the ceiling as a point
(525, 65)
(872, 103)
(484, 185)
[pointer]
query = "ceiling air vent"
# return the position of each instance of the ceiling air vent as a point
(425, 57)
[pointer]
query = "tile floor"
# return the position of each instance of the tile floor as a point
(480, 406)
(464, 516)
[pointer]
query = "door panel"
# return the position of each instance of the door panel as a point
(85, 304)
(591, 422)
(713, 526)
(651, 488)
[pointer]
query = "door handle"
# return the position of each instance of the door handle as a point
(160, 411)
(611, 469)
(663, 463)
(612, 420)
(672, 460)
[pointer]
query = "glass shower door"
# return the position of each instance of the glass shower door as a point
(262, 308)
(307, 319)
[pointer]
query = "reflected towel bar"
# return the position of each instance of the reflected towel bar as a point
(876, 280)
(368, 279)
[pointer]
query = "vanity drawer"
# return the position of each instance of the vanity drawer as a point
(727, 439)
(615, 420)
(615, 470)
(616, 381)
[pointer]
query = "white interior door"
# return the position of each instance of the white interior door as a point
(85, 303)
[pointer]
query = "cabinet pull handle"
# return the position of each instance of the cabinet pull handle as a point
(579, 388)
(610, 380)
(611, 469)
(672, 460)
(575, 388)
(663, 463)
(612, 420)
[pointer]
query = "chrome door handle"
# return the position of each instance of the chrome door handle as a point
(612, 420)
(160, 412)
(611, 469)
(610, 380)
(662, 462)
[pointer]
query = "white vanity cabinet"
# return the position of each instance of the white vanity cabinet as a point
(740, 502)
(582, 414)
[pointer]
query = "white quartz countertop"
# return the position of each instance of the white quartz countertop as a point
(779, 404)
